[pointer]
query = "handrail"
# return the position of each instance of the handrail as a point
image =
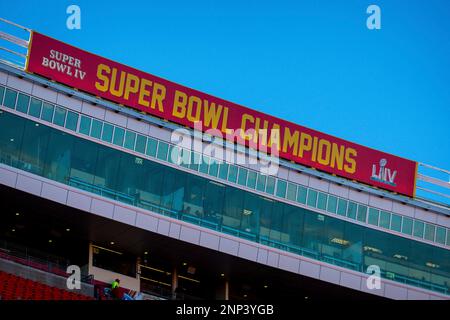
(20, 254)
(13, 42)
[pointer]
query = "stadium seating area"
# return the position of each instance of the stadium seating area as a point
(16, 288)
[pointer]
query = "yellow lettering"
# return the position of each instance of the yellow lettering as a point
(320, 158)
(193, 100)
(337, 156)
(103, 87)
(348, 157)
(159, 94)
(212, 115)
(246, 117)
(305, 144)
(131, 85)
(290, 140)
(179, 104)
(143, 92)
(275, 136)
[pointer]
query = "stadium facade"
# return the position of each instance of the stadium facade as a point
(96, 180)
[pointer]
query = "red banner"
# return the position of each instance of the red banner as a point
(168, 100)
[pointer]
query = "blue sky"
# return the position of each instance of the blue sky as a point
(311, 62)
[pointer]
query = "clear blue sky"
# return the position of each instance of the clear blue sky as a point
(311, 62)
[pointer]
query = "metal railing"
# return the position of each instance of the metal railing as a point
(433, 185)
(14, 47)
(38, 260)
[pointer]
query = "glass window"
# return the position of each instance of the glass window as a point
(185, 159)
(448, 237)
(316, 234)
(322, 201)
(291, 191)
(242, 176)
(174, 154)
(373, 216)
(301, 194)
(385, 219)
(232, 209)
(2, 91)
(10, 98)
(85, 125)
(232, 174)
(141, 141)
(223, 171)
(107, 133)
(270, 185)
(72, 121)
(250, 215)
(332, 204)
(119, 135)
(151, 147)
(429, 232)
(418, 228)
(163, 149)
(396, 223)
(214, 168)
(407, 225)
(22, 103)
(204, 165)
(213, 203)
(251, 180)
(342, 207)
(47, 112)
(440, 235)
(58, 159)
(261, 182)
(11, 136)
(312, 198)
(35, 108)
(362, 213)
(96, 130)
(351, 210)
(195, 161)
(130, 139)
(34, 147)
(60, 116)
(281, 188)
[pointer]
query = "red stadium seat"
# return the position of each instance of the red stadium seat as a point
(17, 288)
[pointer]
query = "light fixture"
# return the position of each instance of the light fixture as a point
(13, 230)
(432, 265)
(184, 263)
(50, 241)
(17, 214)
(376, 250)
(222, 274)
(340, 241)
(399, 256)
(245, 296)
(36, 124)
(146, 252)
(12, 139)
(112, 243)
(265, 286)
(306, 298)
(247, 212)
(68, 229)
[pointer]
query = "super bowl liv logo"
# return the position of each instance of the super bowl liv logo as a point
(383, 174)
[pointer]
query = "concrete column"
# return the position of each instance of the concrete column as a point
(226, 295)
(174, 281)
(138, 273)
